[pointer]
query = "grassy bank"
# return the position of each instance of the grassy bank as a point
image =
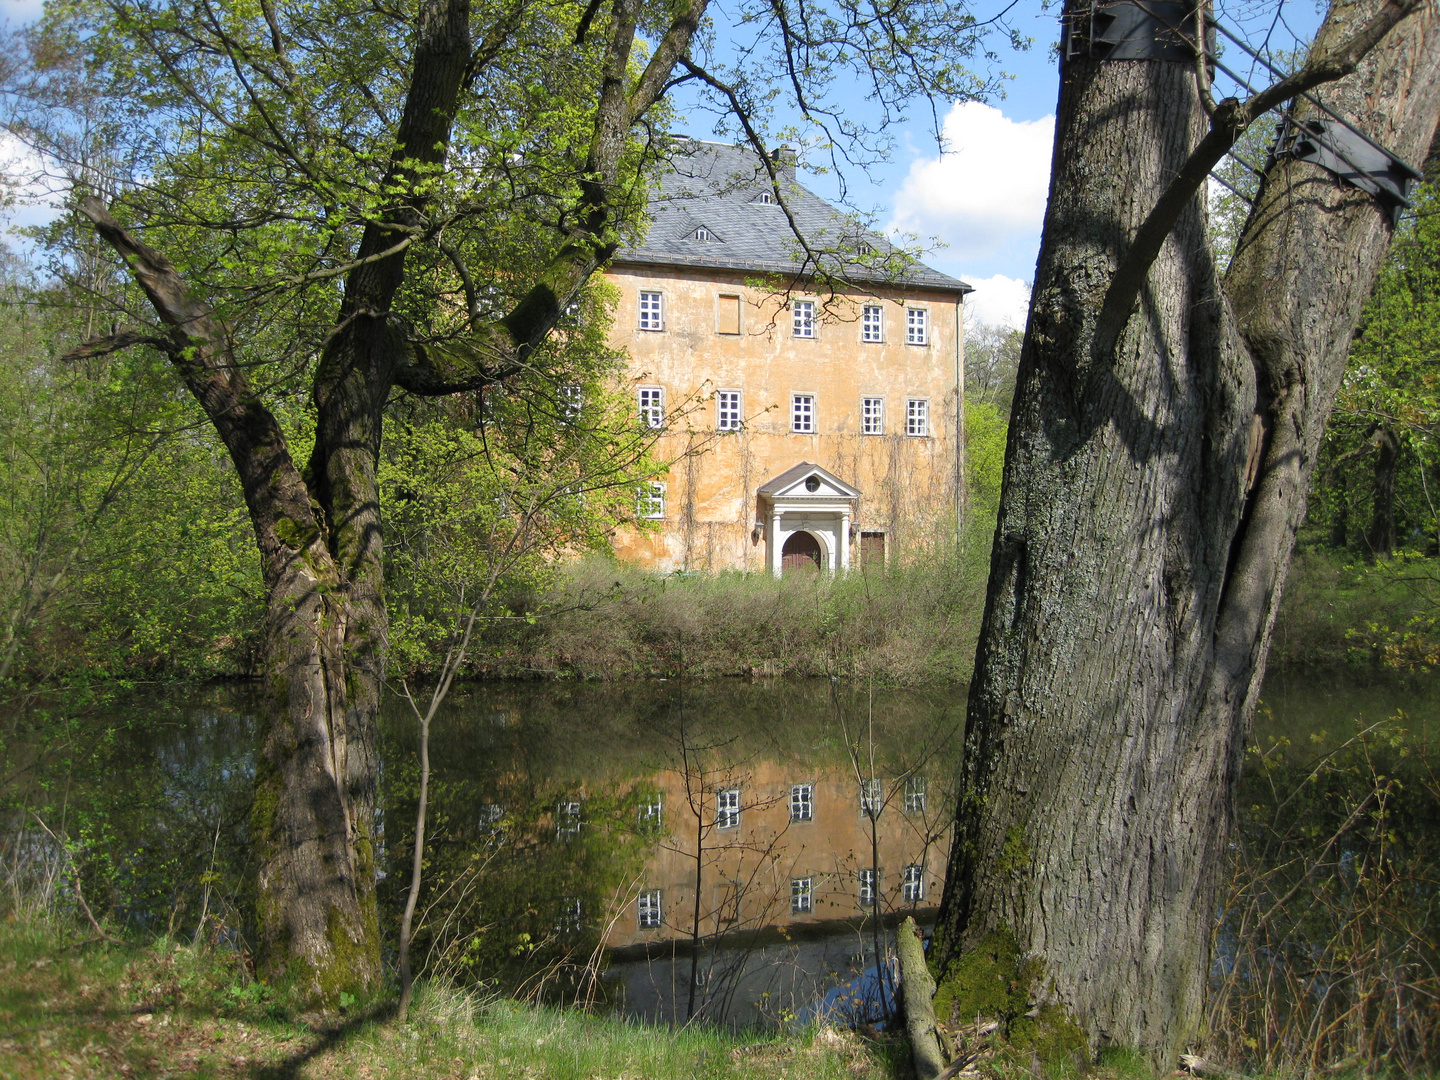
(912, 624)
(72, 1005)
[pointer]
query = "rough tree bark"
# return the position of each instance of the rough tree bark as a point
(319, 533)
(1164, 429)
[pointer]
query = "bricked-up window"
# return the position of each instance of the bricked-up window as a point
(915, 795)
(867, 887)
(872, 549)
(872, 323)
(727, 314)
(650, 914)
(917, 326)
(650, 500)
(917, 416)
(727, 410)
(652, 311)
(802, 802)
(802, 313)
(652, 406)
(801, 896)
(914, 884)
(872, 416)
(727, 808)
(802, 414)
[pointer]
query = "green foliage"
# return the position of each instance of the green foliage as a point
(1378, 477)
(123, 547)
(487, 495)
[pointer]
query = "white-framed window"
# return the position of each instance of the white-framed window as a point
(917, 416)
(802, 317)
(867, 887)
(703, 233)
(872, 323)
(802, 413)
(872, 796)
(915, 795)
(917, 326)
(652, 310)
(650, 500)
(802, 802)
(652, 406)
(490, 815)
(727, 410)
(650, 813)
(802, 896)
(649, 913)
(567, 819)
(572, 400)
(913, 888)
(727, 808)
(872, 416)
(765, 198)
(570, 918)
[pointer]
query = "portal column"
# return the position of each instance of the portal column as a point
(774, 545)
(844, 543)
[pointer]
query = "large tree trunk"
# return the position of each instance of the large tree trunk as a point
(1151, 495)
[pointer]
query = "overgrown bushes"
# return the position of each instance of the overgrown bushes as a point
(1327, 954)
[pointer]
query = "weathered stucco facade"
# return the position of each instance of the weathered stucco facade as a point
(807, 428)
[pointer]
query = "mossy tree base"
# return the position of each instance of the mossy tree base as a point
(992, 1003)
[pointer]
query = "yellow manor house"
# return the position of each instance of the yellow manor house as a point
(809, 430)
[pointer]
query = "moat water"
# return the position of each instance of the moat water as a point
(731, 850)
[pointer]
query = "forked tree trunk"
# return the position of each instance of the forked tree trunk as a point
(1151, 496)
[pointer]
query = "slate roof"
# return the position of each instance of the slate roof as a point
(795, 472)
(720, 188)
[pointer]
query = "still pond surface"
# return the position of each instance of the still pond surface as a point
(730, 847)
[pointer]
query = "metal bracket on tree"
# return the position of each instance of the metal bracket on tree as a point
(1136, 30)
(1352, 157)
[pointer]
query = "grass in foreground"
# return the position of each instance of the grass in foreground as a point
(73, 1006)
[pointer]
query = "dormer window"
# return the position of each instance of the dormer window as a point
(765, 198)
(703, 233)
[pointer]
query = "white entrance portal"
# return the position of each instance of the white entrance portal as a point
(808, 499)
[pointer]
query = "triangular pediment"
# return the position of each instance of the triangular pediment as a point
(807, 481)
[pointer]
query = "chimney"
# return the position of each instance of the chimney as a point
(784, 159)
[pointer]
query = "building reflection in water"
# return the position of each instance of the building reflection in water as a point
(804, 816)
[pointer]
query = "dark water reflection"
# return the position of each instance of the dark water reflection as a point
(570, 820)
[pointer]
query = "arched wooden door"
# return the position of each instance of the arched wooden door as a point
(801, 553)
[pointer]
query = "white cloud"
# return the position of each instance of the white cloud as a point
(30, 183)
(985, 197)
(20, 12)
(998, 301)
